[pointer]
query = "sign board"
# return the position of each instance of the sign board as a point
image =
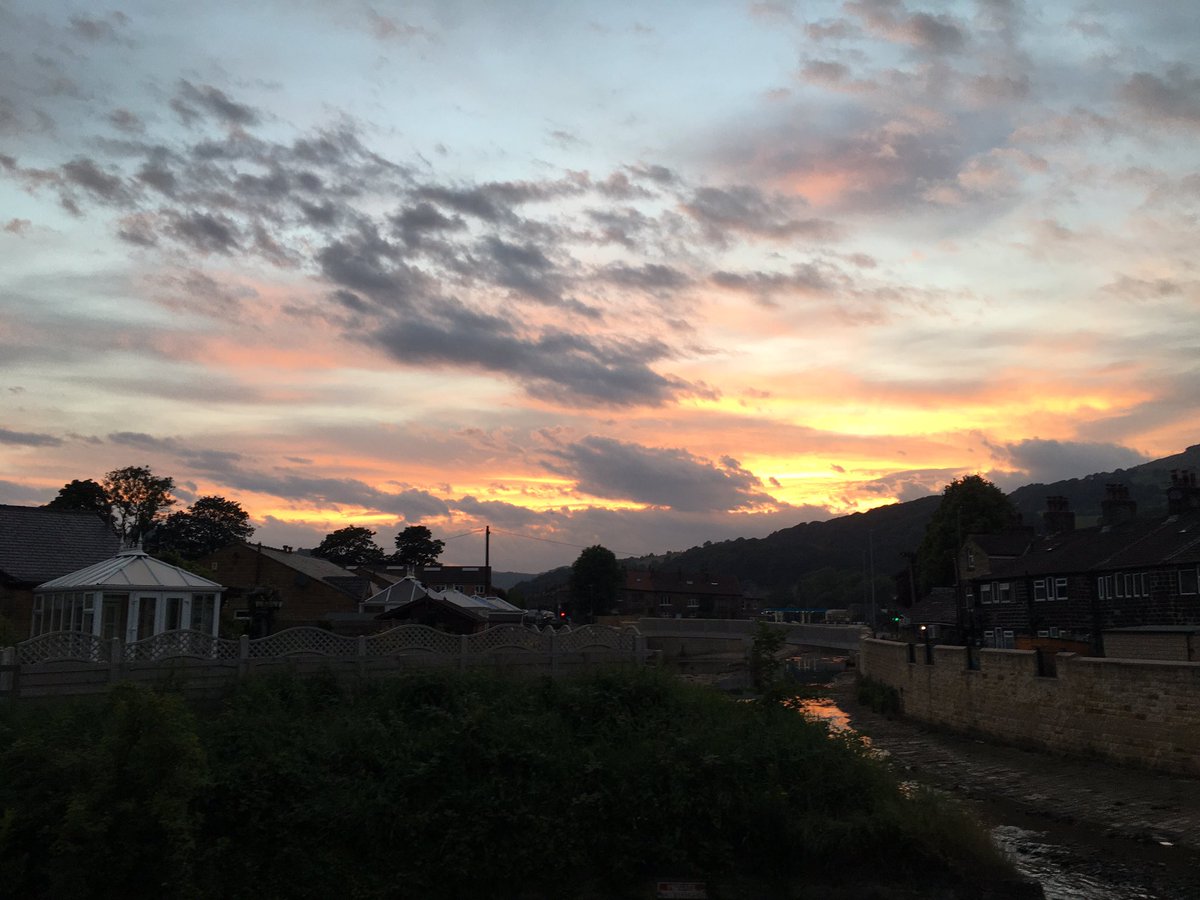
(682, 890)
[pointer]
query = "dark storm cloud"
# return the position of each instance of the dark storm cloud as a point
(98, 30)
(745, 209)
(672, 478)
(417, 222)
(497, 512)
(553, 364)
(1043, 461)
(28, 439)
(805, 279)
(103, 185)
(204, 232)
(1173, 98)
(366, 263)
(497, 201)
(649, 277)
(191, 102)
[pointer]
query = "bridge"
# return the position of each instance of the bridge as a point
(699, 636)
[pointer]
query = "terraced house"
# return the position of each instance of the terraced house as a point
(1072, 586)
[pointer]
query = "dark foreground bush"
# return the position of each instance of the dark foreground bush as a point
(442, 785)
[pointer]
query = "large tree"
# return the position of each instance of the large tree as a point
(208, 524)
(84, 496)
(596, 576)
(353, 545)
(139, 498)
(970, 505)
(415, 546)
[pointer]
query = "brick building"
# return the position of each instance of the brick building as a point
(306, 588)
(681, 595)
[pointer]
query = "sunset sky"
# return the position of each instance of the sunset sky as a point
(640, 274)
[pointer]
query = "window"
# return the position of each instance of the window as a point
(693, 603)
(970, 560)
(985, 593)
(1004, 592)
(204, 607)
(989, 638)
(1008, 640)
(1187, 581)
(1060, 589)
(1044, 632)
(1119, 582)
(173, 618)
(1054, 632)
(1039, 589)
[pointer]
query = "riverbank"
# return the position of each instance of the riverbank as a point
(1117, 828)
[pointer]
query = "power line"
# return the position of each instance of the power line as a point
(464, 534)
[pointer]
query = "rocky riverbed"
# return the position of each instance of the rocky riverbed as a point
(1085, 829)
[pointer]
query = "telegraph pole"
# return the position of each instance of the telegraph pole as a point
(487, 560)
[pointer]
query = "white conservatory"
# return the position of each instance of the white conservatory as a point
(132, 596)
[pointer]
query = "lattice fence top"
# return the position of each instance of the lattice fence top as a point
(186, 642)
(77, 645)
(303, 639)
(508, 637)
(603, 637)
(406, 638)
(56, 645)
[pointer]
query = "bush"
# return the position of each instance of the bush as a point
(880, 697)
(446, 785)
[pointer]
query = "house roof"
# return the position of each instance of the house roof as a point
(318, 569)
(406, 590)
(938, 606)
(132, 570)
(1141, 543)
(676, 582)
(1009, 543)
(37, 544)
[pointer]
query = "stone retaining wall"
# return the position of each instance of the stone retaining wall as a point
(1136, 711)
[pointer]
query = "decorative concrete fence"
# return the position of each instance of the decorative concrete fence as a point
(61, 663)
(1129, 710)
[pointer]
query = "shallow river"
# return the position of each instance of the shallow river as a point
(1071, 862)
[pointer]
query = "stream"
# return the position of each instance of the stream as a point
(1071, 860)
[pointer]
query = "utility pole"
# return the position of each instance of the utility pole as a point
(871, 551)
(487, 560)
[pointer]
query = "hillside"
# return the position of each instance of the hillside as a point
(831, 557)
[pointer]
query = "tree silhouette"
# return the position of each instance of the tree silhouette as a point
(83, 496)
(415, 546)
(209, 524)
(353, 545)
(596, 576)
(138, 498)
(970, 505)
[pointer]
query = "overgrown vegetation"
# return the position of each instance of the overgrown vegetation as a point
(448, 785)
(883, 698)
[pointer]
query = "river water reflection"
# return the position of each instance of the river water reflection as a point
(1071, 862)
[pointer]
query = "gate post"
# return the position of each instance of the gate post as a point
(116, 656)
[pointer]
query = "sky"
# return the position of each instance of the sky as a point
(639, 274)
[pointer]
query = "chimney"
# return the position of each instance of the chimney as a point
(287, 549)
(1182, 495)
(1117, 508)
(1058, 516)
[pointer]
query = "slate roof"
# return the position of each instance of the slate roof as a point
(38, 544)
(317, 569)
(1139, 544)
(681, 583)
(938, 606)
(1004, 544)
(132, 570)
